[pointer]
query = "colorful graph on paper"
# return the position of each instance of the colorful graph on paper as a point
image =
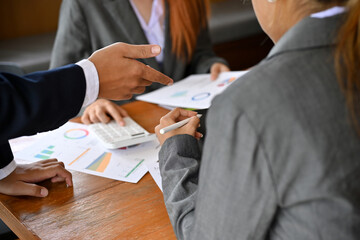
(46, 153)
(179, 94)
(226, 82)
(132, 170)
(80, 156)
(80, 151)
(75, 134)
(201, 96)
(100, 164)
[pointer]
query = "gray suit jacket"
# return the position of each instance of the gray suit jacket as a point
(87, 25)
(281, 159)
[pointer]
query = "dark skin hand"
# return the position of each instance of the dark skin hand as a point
(21, 182)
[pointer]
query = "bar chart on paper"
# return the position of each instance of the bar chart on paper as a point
(46, 153)
(74, 145)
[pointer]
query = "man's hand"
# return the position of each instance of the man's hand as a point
(21, 180)
(121, 75)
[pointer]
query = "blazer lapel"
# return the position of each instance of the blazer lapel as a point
(167, 66)
(122, 11)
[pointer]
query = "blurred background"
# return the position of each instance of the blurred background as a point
(28, 28)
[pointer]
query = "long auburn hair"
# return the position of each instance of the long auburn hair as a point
(347, 61)
(187, 19)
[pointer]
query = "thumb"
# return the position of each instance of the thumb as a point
(140, 51)
(29, 189)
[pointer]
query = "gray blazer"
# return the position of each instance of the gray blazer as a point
(281, 159)
(87, 25)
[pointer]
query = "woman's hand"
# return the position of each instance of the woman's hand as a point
(174, 116)
(103, 110)
(216, 69)
(21, 180)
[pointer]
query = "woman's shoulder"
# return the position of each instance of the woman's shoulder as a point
(262, 84)
(285, 89)
(284, 80)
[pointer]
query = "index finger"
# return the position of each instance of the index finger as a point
(153, 75)
(115, 113)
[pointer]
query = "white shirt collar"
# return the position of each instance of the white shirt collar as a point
(329, 12)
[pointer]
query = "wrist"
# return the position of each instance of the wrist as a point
(6, 171)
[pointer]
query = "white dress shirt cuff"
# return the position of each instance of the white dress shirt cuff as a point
(4, 172)
(92, 81)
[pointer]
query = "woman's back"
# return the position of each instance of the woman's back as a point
(289, 153)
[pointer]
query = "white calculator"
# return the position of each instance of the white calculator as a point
(113, 136)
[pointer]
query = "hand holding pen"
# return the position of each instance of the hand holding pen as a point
(178, 121)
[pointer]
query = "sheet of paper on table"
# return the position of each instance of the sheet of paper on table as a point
(195, 91)
(74, 145)
(20, 143)
(154, 170)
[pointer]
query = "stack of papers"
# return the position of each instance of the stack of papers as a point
(75, 145)
(195, 91)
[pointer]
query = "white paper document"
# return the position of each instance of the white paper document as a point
(20, 143)
(195, 91)
(154, 170)
(74, 145)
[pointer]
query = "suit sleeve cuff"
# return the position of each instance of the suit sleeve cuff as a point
(4, 172)
(183, 145)
(92, 81)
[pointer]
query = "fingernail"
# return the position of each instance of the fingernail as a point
(68, 183)
(44, 192)
(155, 49)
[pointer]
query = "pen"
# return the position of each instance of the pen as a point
(176, 125)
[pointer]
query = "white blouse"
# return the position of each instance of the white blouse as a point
(155, 29)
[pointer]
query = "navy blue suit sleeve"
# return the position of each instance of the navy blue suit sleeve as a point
(40, 101)
(6, 155)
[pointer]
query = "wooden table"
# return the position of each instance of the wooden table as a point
(95, 207)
